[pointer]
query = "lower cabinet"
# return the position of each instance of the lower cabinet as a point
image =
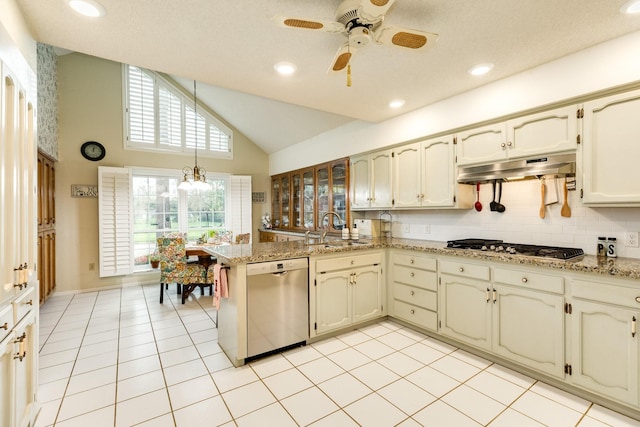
(604, 341)
(347, 290)
(517, 315)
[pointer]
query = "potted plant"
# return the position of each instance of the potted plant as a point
(154, 259)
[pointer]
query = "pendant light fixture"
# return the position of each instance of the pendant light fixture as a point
(196, 177)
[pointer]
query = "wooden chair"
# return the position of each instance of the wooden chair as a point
(243, 238)
(174, 268)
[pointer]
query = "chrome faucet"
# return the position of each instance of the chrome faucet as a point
(324, 233)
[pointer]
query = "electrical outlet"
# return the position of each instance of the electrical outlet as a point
(427, 229)
(631, 239)
(406, 228)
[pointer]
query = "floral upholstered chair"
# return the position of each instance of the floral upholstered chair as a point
(174, 268)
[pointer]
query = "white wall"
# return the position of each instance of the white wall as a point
(604, 66)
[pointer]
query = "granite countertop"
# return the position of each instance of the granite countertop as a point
(628, 268)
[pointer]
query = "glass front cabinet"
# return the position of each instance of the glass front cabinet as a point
(301, 198)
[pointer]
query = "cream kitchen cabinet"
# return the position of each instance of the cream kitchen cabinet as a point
(347, 290)
(604, 339)
(424, 175)
(414, 286)
(465, 302)
(610, 151)
(528, 318)
(542, 133)
(371, 180)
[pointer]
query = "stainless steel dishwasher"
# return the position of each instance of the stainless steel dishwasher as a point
(277, 305)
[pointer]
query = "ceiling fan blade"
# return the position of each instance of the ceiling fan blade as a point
(342, 58)
(404, 37)
(372, 11)
(325, 26)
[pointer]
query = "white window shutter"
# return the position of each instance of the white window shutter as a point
(240, 195)
(141, 107)
(115, 221)
(169, 118)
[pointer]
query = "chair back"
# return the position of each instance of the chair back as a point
(243, 238)
(173, 252)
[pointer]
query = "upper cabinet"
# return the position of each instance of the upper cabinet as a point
(610, 151)
(371, 180)
(303, 199)
(425, 176)
(332, 186)
(543, 133)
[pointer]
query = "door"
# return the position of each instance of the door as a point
(528, 327)
(367, 293)
(6, 379)
(604, 349)
(438, 171)
(308, 201)
(407, 181)
(360, 182)
(25, 350)
(381, 179)
(611, 133)
(482, 145)
(333, 300)
(338, 190)
(465, 310)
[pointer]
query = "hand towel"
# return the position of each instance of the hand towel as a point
(221, 286)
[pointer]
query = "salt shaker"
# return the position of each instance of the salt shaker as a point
(612, 251)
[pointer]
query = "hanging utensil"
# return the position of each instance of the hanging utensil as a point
(566, 210)
(543, 207)
(478, 205)
(552, 194)
(493, 204)
(499, 206)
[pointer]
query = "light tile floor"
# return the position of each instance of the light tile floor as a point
(119, 358)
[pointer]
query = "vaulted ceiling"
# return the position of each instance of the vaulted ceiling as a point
(230, 48)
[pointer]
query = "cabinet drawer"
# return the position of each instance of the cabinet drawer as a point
(464, 269)
(348, 261)
(420, 297)
(23, 304)
(419, 316)
(607, 293)
(6, 321)
(415, 277)
(408, 260)
(542, 282)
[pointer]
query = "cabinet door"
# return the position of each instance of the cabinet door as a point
(610, 150)
(322, 196)
(528, 327)
(333, 300)
(309, 205)
(438, 171)
(338, 190)
(547, 132)
(285, 194)
(604, 349)
(367, 293)
(6, 380)
(25, 370)
(465, 310)
(296, 199)
(360, 177)
(483, 144)
(381, 180)
(407, 191)
(276, 201)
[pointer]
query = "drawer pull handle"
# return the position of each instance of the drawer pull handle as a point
(525, 280)
(411, 261)
(30, 302)
(413, 311)
(633, 327)
(5, 326)
(412, 293)
(488, 291)
(412, 274)
(352, 262)
(461, 269)
(494, 296)
(22, 352)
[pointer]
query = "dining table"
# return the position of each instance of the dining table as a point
(204, 258)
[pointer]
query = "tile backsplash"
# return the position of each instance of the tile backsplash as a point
(521, 222)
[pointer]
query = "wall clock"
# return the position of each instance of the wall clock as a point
(92, 150)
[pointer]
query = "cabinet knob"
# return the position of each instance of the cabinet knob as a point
(413, 311)
(503, 145)
(637, 299)
(509, 144)
(525, 280)
(352, 262)
(461, 269)
(30, 302)
(412, 274)
(5, 326)
(412, 293)
(411, 261)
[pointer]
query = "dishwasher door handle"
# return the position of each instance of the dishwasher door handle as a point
(281, 273)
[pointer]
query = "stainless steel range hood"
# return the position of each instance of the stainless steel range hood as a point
(558, 164)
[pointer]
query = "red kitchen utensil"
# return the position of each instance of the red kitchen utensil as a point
(478, 205)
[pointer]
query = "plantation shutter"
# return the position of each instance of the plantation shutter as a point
(218, 140)
(169, 118)
(115, 221)
(141, 117)
(241, 204)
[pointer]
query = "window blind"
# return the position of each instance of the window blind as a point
(241, 204)
(115, 221)
(169, 118)
(141, 107)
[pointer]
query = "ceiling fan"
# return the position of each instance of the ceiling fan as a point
(361, 21)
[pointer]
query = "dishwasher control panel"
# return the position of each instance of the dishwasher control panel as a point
(277, 266)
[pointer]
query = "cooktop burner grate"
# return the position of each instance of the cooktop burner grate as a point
(499, 246)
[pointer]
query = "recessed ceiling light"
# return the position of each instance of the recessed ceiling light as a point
(396, 103)
(480, 69)
(90, 8)
(285, 68)
(631, 7)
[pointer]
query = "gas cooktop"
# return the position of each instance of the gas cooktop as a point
(499, 246)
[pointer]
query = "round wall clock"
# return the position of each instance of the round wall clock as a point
(92, 150)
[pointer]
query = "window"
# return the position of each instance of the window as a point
(159, 116)
(137, 205)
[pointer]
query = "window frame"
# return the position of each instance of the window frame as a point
(186, 101)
